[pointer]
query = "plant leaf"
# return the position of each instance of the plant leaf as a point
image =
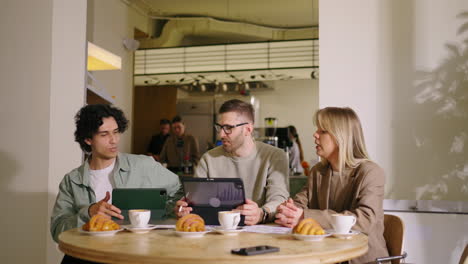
(462, 29)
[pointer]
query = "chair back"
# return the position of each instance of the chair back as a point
(394, 230)
(464, 256)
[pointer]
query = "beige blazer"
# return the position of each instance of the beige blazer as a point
(364, 200)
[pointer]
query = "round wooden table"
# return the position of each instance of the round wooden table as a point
(163, 246)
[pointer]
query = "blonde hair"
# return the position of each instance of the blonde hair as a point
(344, 125)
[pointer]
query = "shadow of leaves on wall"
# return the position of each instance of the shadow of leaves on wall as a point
(442, 96)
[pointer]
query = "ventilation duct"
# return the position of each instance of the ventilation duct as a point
(176, 29)
(275, 60)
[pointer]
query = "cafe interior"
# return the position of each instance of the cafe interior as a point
(400, 64)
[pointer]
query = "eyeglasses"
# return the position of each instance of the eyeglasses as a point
(227, 128)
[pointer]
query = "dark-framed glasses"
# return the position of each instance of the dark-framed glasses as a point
(227, 128)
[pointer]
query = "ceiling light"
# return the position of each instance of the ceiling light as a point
(225, 87)
(100, 59)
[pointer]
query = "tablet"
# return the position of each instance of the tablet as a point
(208, 196)
(153, 199)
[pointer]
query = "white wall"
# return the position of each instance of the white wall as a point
(373, 55)
(434, 238)
(67, 96)
(42, 87)
(109, 22)
(292, 102)
(392, 65)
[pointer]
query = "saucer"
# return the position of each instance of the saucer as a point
(349, 235)
(228, 232)
(99, 233)
(139, 230)
(192, 234)
(314, 238)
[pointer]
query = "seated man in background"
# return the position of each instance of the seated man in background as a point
(157, 141)
(85, 191)
(263, 168)
(180, 148)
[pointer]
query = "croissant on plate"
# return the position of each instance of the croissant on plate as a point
(100, 223)
(190, 223)
(308, 226)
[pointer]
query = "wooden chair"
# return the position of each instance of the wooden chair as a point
(394, 230)
(464, 256)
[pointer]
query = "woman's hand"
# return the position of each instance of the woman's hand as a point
(288, 214)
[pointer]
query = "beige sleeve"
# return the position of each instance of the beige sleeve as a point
(302, 197)
(195, 150)
(366, 205)
(277, 185)
(201, 169)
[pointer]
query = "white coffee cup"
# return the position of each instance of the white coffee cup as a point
(139, 217)
(229, 219)
(342, 223)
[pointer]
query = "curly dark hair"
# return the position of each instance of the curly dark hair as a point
(89, 119)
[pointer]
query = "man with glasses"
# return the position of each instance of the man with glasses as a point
(263, 168)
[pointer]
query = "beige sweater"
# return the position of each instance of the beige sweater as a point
(358, 191)
(264, 173)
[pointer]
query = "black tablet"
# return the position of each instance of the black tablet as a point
(153, 199)
(208, 196)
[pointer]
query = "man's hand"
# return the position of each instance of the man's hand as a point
(288, 214)
(156, 157)
(182, 208)
(252, 213)
(104, 208)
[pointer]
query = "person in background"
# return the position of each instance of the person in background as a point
(180, 148)
(85, 191)
(296, 155)
(262, 168)
(157, 141)
(346, 181)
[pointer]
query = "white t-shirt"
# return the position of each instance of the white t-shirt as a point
(102, 182)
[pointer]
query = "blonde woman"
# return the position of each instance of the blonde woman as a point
(345, 182)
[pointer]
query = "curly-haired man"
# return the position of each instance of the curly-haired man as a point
(85, 191)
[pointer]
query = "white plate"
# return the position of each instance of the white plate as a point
(100, 233)
(139, 230)
(192, 234)
(344, 236)
(228, 232)
(311, 237)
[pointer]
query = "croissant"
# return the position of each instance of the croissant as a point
(100, 223)
(309, 226)
(190, 223)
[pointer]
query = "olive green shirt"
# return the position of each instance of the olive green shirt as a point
(130, 171)
(174, 155)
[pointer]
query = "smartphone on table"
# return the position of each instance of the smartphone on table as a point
(256, 250)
